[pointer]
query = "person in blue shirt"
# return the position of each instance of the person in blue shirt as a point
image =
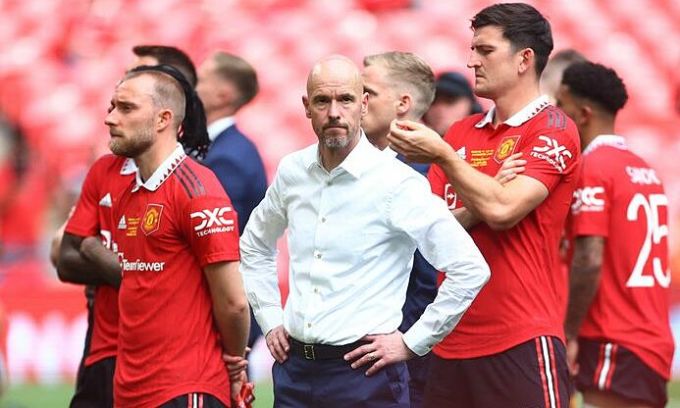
(226, 83)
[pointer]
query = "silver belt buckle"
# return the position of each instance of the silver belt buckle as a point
(309, 352)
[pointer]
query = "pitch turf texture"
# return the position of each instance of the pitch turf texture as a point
(58, 396)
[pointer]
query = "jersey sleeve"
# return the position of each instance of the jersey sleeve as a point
(591, 205)
(85, 219)
(439, 183)
(551, 152)
(210, 224)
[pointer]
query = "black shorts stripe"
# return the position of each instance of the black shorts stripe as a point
(199, 183)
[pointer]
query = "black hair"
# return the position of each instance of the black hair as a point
(194, 133)
(596, 83)
(169, 56)
(522, 25)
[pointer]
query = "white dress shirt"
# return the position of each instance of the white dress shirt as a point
(352, 233)
(219, 126)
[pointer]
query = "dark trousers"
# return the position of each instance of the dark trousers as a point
(300, 383)
(418, 370)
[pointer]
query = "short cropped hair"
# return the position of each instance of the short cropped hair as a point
(596, 83)
(167, 93)
(522, 25)
(238, 71)
(408, 71)
(169, 56)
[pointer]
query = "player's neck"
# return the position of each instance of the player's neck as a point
(149, 161)
(513, 101)
(595, 129)
(218, 114)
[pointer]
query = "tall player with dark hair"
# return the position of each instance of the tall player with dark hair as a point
(87, 258)
(508, 350)
(619, 341)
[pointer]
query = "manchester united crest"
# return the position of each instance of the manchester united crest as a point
(505, 148)
(151, 220)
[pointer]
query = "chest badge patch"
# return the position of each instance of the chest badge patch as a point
(151, 220)
(505, 148)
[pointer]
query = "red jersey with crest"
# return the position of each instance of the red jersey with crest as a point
(107, 178)
(621, 198)
(169, 228)
(524, 297)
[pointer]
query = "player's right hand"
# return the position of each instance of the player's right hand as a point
(572, 356)
(277, 342)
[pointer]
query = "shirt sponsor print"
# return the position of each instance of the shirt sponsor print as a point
(589, 198)
(212, 221)
(552, 152)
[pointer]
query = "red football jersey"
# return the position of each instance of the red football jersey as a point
(107, 178)
(525, 295)
(168, 229)
(621, 198)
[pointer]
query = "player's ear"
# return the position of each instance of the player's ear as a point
(305, 102)
(164, 119)
(364, 104)
(586, 113)
(404, 104)
(526, 60)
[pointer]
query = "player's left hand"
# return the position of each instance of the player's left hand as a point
(382, 350)
(417, 142)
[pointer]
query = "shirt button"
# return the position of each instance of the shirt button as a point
(317, 255)
(328, 183)
(309, 325)
(323, 219)
(316, 290)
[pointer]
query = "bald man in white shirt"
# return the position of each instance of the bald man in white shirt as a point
(354, 217)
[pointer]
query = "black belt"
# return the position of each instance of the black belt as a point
(322, 351)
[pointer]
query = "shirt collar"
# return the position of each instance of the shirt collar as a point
(606, 140)
(129, 167)
(388, 150)
(519, 118)
(356, 161)
(219, 126)
(162, 172)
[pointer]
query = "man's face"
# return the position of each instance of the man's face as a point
(209, 86)
(382, 102)
(336, 104)
(495, 63)
(131, 117)
(571, 105)
(446, 110)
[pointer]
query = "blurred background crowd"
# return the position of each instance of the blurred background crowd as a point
(60, 60)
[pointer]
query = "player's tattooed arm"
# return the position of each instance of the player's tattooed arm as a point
(584, 280)
(87, 261)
